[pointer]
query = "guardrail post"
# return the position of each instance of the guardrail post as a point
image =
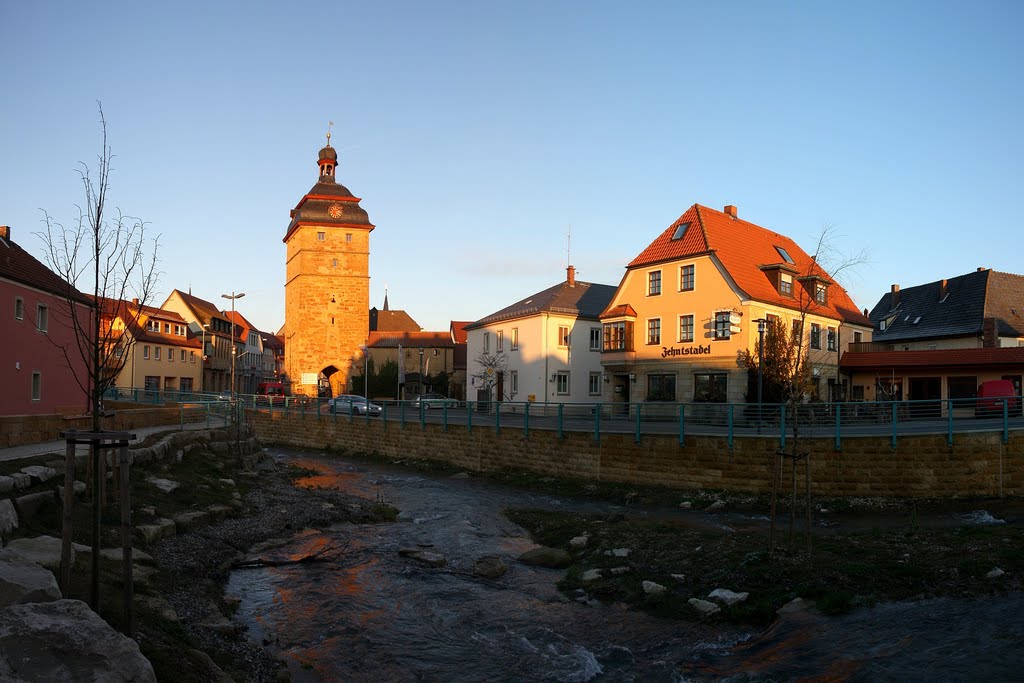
(729, 414)
(526, 420)
(682, 424)
(497, 418)
(895, 416)
(1006, 420)
(839, 429)
(401, 414)
(469, 417)
(561, 433)
(949, 422)
(639, 409)
(423, 416)
(384, 415)
(597, 423)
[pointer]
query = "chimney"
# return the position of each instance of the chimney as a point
(943, 289)
(570, 276)
(895, 291)
(730, 210)
(982, 268)
(989, 338)
(135, 301)
(5, 232)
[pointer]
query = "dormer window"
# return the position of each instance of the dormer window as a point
(820, 293)
(785, 255)
(785, 284)
(680, 231)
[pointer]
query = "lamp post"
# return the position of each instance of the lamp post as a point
(421, 370)
(760, 365)
(366, 367)
(233, 296)
(202, 361)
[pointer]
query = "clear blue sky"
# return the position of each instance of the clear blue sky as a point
(478, 133)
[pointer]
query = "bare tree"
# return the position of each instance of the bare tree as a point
(791, 368)
(492, 365)
(110, 256)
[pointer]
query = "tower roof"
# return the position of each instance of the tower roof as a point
(328, 203)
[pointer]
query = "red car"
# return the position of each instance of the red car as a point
(991, 397)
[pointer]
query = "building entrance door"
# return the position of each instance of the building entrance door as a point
(926, 397)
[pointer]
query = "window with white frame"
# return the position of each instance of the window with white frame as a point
(19, 308)
(515, 338)
(145, 352)
(654, 331)
(820, 293)
(815, 336)
(191, 356)
(594, 384)
(686, 328)
(686, 278)
(487, 342)
(37, 386)
(513, 381)
(499, 341)
(42, 318)
(654, 283)
(170, 355)
(595, 338)
(831, 339)
(156, 352)
(562, 382)
(563, 336)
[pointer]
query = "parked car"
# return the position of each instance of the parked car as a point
(991, 396)
(350, 404)
(434, 401)
(270, 393)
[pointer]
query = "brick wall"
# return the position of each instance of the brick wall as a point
(978, 464)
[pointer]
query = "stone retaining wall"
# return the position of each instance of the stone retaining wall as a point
(22, 430)
(978, 464)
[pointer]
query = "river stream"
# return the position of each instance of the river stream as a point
(376, 616)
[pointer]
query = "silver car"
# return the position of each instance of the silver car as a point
(429, 401)
(350, 404)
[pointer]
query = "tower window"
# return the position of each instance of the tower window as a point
(321, 236)
(348, 237)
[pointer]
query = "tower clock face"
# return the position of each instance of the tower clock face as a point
(334, 211)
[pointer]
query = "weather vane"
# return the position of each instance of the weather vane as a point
(329, 124)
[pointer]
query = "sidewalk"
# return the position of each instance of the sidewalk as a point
(56, 448)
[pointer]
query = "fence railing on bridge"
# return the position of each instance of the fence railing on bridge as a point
(837, 421)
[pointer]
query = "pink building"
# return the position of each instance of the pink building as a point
(41, 368)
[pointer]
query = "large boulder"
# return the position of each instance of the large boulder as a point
(66, 641)
(32, 505)
(44, 550)
(39, 473)
(543, 556)
(24, 581)
(8, 517)
(6, 484)
(489, 567)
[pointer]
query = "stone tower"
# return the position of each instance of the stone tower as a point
(327, 284)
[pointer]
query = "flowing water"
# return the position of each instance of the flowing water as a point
(374, 615)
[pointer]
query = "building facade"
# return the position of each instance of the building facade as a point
(219, 338)
(686, 312)
(43, 370)
(327, 284)
(544, 349)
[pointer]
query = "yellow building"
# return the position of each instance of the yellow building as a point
(687, 308)
(327, 284)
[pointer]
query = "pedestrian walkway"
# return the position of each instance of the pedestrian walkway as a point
(57, 448)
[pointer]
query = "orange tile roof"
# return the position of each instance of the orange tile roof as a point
(620, 310)
(743, 248)
(390, 340)
(458, 331)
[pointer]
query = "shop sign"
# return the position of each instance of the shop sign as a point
(667, 352)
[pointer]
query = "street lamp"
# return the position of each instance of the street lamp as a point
(233, 296)
(760, 365)
(202, 361)
(366, 365)
(421, 370)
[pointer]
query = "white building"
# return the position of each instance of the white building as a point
(543, 349)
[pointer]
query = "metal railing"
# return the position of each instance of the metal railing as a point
(837, 421)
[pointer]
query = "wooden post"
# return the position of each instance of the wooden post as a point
(69, 501)
(126, 542)
(776, 473)
(97, 506)
(807, 487)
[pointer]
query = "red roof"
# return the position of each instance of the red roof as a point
(391, 340)
(999, 356)
(744, 249)
(18, 265)
(458, 331)
(620, 310)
